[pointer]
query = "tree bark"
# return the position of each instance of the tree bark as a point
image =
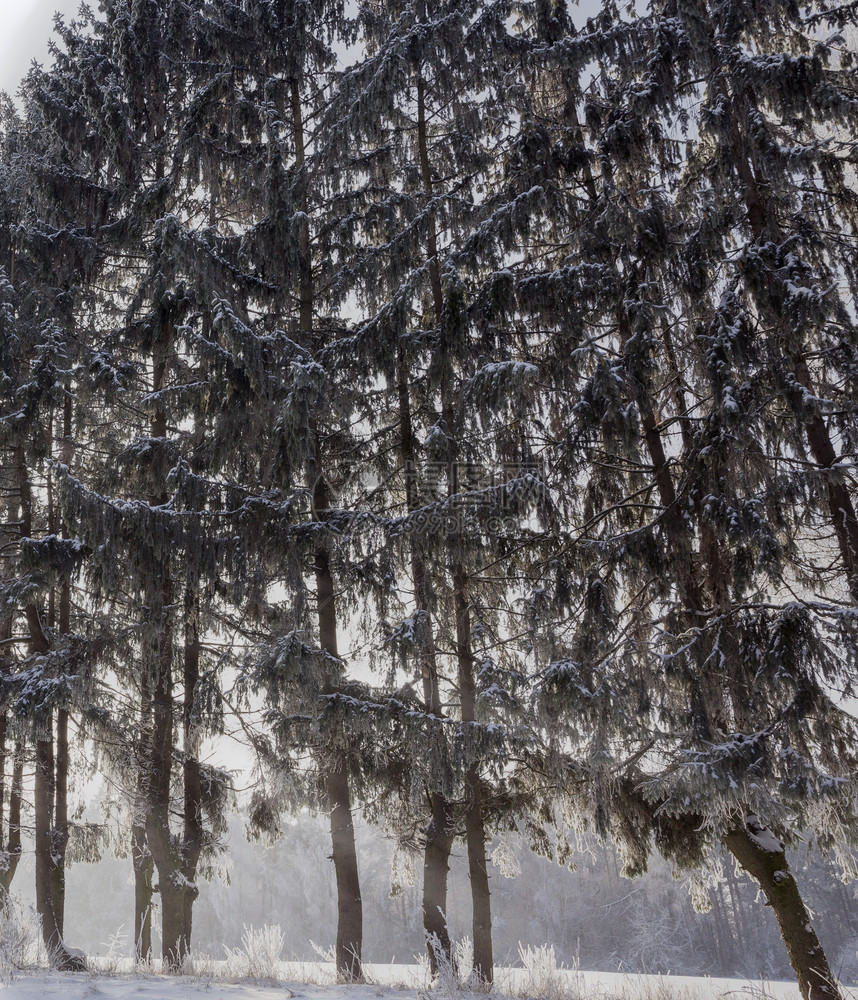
(436, 866)
(771, 870)
(44, 791)
(62, 758)
(160, 764)
(10, 835)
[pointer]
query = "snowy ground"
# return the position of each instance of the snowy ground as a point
(394, 982)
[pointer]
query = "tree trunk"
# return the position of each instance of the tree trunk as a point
(159, 739)
(170, 882)
(475, 833)
(59, 955)
(192, 841)
(336, 779)
(44, 793)
(768, 865)
(10, 836)
(12, 847)
(344, 851)
(349, 903)
(62, 759)
(475, 837)
(144, 870)
(60, 831)
(436, 866)
(439, 834)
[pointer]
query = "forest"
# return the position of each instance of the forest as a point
(459, 400)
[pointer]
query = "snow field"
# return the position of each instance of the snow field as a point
(214, 980)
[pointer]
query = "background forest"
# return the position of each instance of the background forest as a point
(592, 917)
(455, 401)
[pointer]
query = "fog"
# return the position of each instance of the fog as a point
(595, 918)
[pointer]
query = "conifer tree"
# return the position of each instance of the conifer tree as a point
(656, 417)
(415, 103)
(296, 246)
(40, 556)
(123, 82)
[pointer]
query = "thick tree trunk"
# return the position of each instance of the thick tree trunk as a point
(43, 794)
(349, 903)
(170, 880)
(44, 791)
(59, 955)
(758, 852)
(436, 866)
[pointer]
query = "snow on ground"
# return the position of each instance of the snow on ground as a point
(393, 982)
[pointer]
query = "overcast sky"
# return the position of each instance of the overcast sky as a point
(27, 26)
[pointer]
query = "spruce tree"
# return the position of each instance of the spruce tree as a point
(415, 103)
(683, 534)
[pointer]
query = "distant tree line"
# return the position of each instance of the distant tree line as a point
(511, 355)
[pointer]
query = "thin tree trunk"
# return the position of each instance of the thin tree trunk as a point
(61, 819)
(344, 851)
(144, 870)
(12, 846)
(159, 742)
(438, 836)
(10, 835)
(336, 780)
(44, 791)
(475, 837)
(193, 820)
(62, 759)
(475, 833)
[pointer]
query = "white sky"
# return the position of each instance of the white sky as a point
(25, 27)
